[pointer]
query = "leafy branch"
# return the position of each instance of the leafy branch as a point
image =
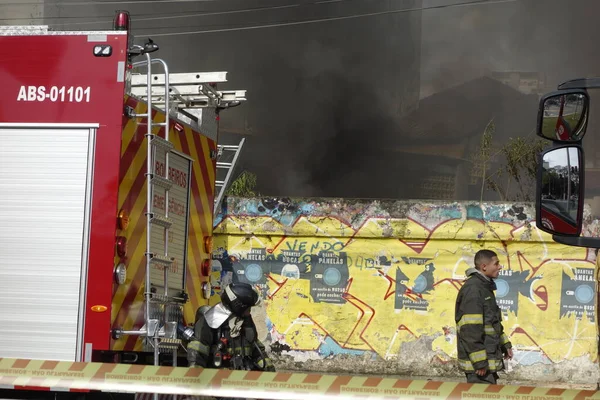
(519, 165)
(243, 186)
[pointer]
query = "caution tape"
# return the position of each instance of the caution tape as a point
(73, 376)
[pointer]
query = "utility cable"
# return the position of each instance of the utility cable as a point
(95, 3)
(330, 19)
(188, 15)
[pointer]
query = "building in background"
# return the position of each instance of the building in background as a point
(21, 13)
(524, 82)
(441, 140)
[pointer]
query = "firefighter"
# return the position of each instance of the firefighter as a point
(482, 343)
(225, 335)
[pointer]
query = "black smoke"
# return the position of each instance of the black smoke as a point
(327, 101)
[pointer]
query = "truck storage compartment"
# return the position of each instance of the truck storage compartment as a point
(45, 185)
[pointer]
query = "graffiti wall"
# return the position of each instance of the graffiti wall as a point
(370, 287)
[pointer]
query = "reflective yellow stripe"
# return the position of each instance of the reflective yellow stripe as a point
(494, 365)
(489, 330)
(478, 356)
(199, 347)
(470, 319)
(504, 339)
(466, 365)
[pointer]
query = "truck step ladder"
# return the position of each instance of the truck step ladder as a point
(227, 157)
(193, 99)
(162, 312)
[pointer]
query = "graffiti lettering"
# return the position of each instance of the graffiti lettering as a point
(301, 246)
(326, 246)
(391, 291)
(362, 262)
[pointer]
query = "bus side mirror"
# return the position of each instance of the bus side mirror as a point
(563, 115)
(559, 202)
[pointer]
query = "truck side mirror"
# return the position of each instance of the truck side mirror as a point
(563, 115)
(559, 205)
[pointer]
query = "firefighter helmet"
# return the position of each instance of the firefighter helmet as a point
(201, 311)
(239, 297)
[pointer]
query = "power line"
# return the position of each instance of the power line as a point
(314, 21)
(203, 14)
(208, 13)
(90, 3)
(142, 17)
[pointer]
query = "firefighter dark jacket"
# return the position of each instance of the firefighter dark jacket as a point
(220, 347)
(480, 335)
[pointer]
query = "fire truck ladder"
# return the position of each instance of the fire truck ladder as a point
(162, 312)
(194, 100)
(225, 168)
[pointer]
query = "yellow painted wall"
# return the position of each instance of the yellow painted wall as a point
(372, 280)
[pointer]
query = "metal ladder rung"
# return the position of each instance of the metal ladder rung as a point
(169, 343)
(223, 183)
(180, 78)
(161, 260)
(228, 146)
(160, 142)
(161, 221)
(161, 182)
(160, 299)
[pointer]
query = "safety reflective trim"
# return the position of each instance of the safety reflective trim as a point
(478, 356)
(504, 339)
(489, 330)
(199, 347)
(246, 350)
(470, 319)
(466, 365)
(494, 365)
(264, 363)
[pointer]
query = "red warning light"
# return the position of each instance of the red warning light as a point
(122, 21)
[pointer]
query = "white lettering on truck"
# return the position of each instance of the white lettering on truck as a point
(71, 94)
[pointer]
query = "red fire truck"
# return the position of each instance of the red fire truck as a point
(108, 181)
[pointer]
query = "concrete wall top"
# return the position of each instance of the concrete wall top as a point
(366, 218)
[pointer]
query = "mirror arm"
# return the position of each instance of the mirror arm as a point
(580, 83)
(578, 241)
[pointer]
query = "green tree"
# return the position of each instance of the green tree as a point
(515, 178)
(243, 186)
